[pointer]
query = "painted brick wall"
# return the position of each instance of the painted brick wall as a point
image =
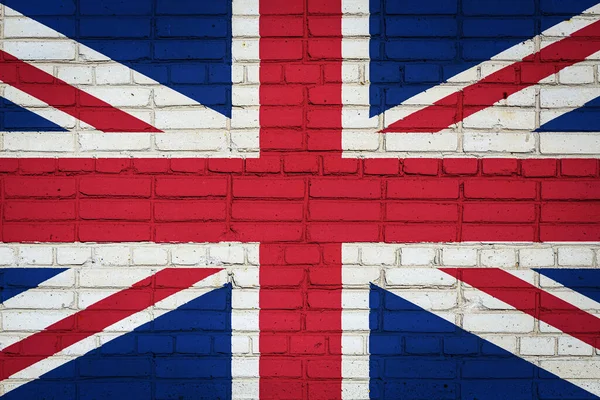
(329, 232)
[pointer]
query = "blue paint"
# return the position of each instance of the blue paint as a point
(14, 118)
(18, 280)
(438, 360)
(182, 355)
(450, 36)
(584, 119)
(170, 41)
(584, 281)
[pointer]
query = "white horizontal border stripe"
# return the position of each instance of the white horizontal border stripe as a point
(90, 262)
(389, 266)
(146, 99)
(360, 135)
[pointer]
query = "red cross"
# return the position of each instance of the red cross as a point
(300, 200)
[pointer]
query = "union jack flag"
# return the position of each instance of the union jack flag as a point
(244, 199)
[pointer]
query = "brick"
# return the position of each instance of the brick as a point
(494, 232)
(225, 165)
(190, 210)
(381, 167)
(422, 189)
(302, 73)
(575, 256)
(274, 188)
(114, 232)
(151, 166)
(538, 167)
(579, 167)
(460, 166)
(115, 210)
(336, 210)
(500, 167)
(39, 210)
(307, 254)
(499, 212)
(574, 190)
(413, 233)
(500, 189)
(277, 299)
(280, 139)
(39, 187)
(343, 232)
(35, 232)
(267, 211)
(115, 186)
(75, 165)
(421, 212)
(280, 321)
(351, 188)
(191, 186)
(570, 212)
(195, 165)
(281, 95)
(264, 164)
(112, 166)
(288, 276)
(421, 166)
(335, 166)
(300, 163)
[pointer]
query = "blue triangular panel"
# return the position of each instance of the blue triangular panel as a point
(183, 44)
(17, 280)
(14, 118)
(584, 281)
(418, 355)
(584, 119)
(418, 44)
(182, 355)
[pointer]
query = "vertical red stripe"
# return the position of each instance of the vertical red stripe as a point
(300, 321)
(547, 307)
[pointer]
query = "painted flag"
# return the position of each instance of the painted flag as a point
(349, 199)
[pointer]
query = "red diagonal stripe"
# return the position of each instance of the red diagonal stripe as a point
(96, 112)
(98, 316)
(549, 308)
(501, 84)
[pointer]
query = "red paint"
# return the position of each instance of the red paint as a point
(296, 206)
(501, 84)
(522, 295)
(69, 99)
(97, 317)
(300, 346)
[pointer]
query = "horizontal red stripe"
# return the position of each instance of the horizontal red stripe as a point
(206, 206)
(520, 294)
(58, 93)
(98, 316)
(501, 84)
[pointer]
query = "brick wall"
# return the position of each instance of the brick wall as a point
(329, 233)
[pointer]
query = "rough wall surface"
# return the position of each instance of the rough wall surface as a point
(303, 199)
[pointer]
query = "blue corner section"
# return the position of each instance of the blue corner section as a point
(584, 119)
(183, 44)
(417, 44)
(182, 355)
(418, 355)
(14, 118)
(584, 281)
(17, 280)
